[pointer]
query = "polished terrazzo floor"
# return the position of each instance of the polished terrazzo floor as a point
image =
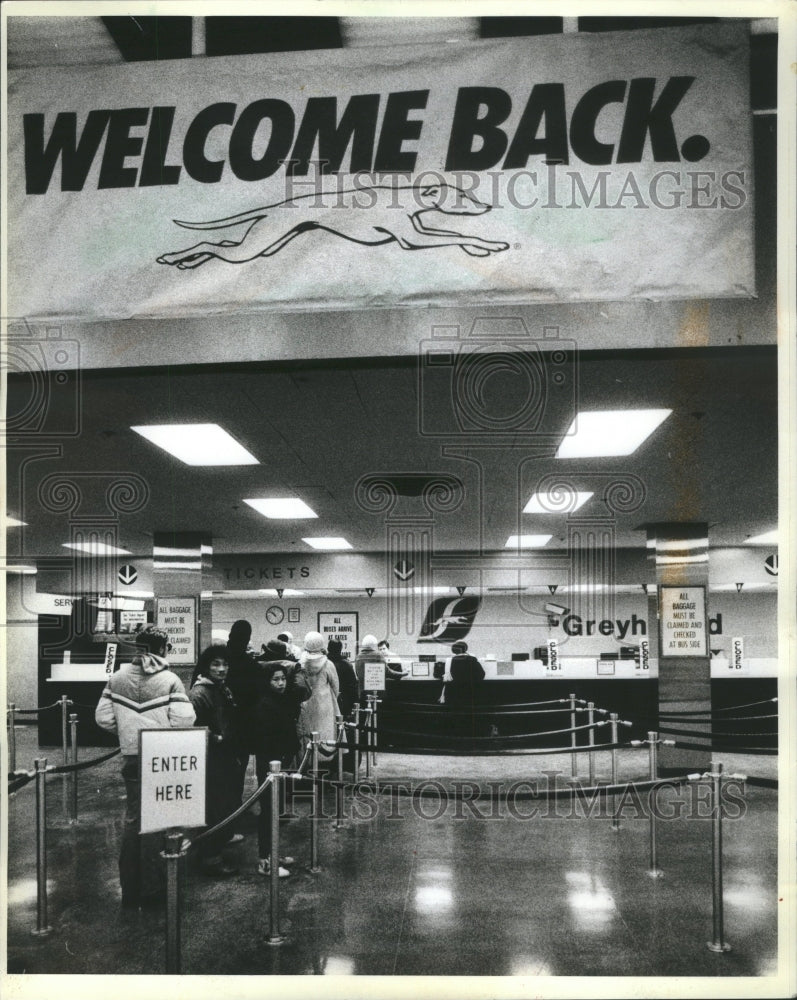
(413, 886)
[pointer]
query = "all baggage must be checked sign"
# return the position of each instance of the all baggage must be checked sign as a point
(173, 770)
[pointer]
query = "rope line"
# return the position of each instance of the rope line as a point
(507, 751)
(33, 711)
(727, 718)
(445, 736)
(435, 709)
(425, 791)
(495, 708)
(234, 815)
(710, 735)
(760, 751)
(729, 708)
(83, 764)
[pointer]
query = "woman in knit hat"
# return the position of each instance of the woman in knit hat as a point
(318, 714)
(369, 653)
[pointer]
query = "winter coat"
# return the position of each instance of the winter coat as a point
(349, 690)
(276, 716)
(242, 680)
(215, 708)
(318, 713)
(143, 694)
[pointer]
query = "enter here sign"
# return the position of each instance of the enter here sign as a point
(173, 769)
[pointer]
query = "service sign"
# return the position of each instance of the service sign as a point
(683, 621)
(173, 769)
(544, 169)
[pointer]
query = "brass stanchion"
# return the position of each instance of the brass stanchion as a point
(64, 723)
(174, 849)
(274, 936)
(368, 717)
(73, 737)
(42, 928)
(11, 715)
(653, 752)
(718, 944)
(591, 740)
(573, 756)
(356, 766)
(339, 823)
(375, 723)
(314, 815)
(613, 719)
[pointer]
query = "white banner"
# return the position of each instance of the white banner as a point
(558, 168)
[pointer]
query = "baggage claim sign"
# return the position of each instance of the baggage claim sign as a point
(543, 169)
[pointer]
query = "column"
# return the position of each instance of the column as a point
(678, 619)
(181, 561)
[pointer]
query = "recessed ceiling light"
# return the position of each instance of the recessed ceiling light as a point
(327, 543)
(527, 541)
(605, 433)
(288, 507)
(12, 522)
(565, 502)
(197, 444)
(96, 548)
(768, 538)
(18, 569)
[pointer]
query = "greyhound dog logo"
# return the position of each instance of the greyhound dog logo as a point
(371, 216)
(448, 620)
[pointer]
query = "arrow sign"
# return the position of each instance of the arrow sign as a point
(552, 588)
(739, 587)
(128, 574)
(771, 565)
(280, 592)
(369, 591)
(461, 590)
(404, 570)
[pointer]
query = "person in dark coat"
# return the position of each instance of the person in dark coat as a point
(282, 692)
(213, 704)
(463, 690)
(242, 681)
(348, 694)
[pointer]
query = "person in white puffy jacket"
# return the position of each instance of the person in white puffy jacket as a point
(142, 694)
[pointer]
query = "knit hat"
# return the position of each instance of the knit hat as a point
(315, 649)
(368, 642)
(275, 650)
(285, 637)
(459, 647)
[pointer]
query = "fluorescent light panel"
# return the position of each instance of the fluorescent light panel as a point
(197, 444)
(768, 538)
(287, 507)
(527, 541)
(553, 503)
(96, 548)
(12, 522)
(606, 433)
(26, 570)
(327, 543)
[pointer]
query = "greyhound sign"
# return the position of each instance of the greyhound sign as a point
(370, 216)
(527, 170)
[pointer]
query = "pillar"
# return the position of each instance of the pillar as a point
(678, 619)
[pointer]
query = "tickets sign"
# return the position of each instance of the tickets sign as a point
(576, 166)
